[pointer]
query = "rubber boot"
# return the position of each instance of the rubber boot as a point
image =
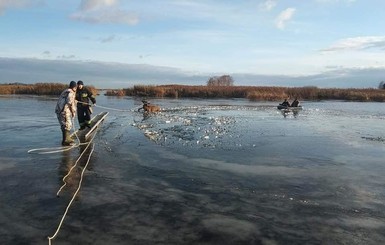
(67, 138)
(63, 133)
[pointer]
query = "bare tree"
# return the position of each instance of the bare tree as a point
(225, 80)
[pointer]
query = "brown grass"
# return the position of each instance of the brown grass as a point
(38, 88)
(252, 93)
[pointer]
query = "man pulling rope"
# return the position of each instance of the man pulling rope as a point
(83, 96)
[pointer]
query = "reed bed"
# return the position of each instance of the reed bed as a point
(253, 93)
(37, 88)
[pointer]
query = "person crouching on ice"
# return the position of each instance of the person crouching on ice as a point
(83, 96)
(65, 111)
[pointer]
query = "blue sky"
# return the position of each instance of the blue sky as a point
(116, 44)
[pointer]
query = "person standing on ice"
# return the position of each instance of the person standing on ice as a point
(285, 103)
(65, 111)
(83, 96)
(295, 103)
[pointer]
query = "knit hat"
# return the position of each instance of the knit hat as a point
(72, 84)
(80, 83)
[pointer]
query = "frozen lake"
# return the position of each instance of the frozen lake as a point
(199, 172)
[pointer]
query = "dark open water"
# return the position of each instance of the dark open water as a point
(200, 172)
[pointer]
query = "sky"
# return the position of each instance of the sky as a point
(118, 44)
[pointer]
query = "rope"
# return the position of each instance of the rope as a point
(50, 238)
(60, 149)
(51, 150)
(65, 183)
(108, 108)
(67, 148)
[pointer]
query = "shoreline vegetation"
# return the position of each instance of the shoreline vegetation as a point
(252, 93)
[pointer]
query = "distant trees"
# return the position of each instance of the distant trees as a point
(224, 80)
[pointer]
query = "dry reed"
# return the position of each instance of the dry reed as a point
(253, 93)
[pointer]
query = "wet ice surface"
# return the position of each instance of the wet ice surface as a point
(188, 127)
(199, 172)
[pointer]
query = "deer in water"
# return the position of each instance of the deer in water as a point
(149, 108)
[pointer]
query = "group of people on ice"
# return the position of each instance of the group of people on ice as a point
(74, 100)
(295, 103)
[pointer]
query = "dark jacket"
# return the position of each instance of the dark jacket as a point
(84, 95)
(285, 103)
(295, 103)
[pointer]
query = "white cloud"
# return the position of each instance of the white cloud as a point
(106, 16)
(357, 43)
(5, 4)
(284, 17)
(268, 5)
(104, 11)
(335, 1)
(86, 5)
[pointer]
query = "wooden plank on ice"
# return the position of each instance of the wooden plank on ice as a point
(95, 123)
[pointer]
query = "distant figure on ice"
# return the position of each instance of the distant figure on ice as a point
(295, 103)
(285, 103)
